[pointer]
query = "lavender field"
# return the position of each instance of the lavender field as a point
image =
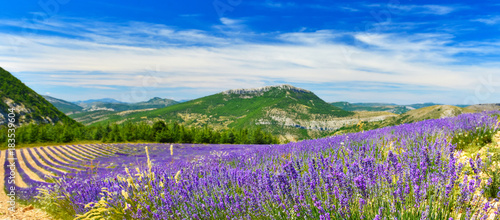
(411, 171)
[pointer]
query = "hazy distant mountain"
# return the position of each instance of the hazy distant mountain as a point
(104, 100)
(64, 106)
(29, 106)
(97, 111)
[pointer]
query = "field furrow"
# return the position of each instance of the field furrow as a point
(3, 196)
(30, 173)
(85, 151)
(18, 178)
(51, 161)
(2, 171)
(101, 149)
(64, 154)
(91, 150)
(109, 147)
(41, 162)
(31, 161)
(57, 157)
(76, 153)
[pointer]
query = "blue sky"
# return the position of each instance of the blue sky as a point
(358, 51)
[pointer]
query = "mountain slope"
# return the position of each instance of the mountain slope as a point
(284, 110)
(98, 111)
(431, 112)
(63, 106)
(484, 107)
(387, 107)
(30, 107)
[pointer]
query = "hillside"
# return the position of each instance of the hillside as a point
(64, 106)
(484, 107)
(93, 112)
(30, 106)
(290, 112)
(430, 112)
(387, 107)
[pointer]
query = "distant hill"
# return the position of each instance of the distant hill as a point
(290, 112)
(484, 107)
(387, 107)
(105, 100)
(118, 107)
(92, 111)
(30, 106)
(64, 106)
(430, 112)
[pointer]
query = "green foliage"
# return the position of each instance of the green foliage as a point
(492, 170)
(133, 132)
(479, 137)
(62, 105)
(13, 88)
(58, 206)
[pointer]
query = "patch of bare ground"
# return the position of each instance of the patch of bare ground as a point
(21, 212)
(494, 204)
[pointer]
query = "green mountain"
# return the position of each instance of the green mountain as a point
(64, 106)
(29, 106)
(293, 113)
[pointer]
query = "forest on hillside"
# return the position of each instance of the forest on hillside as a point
(136, 132)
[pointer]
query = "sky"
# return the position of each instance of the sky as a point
(395, 51)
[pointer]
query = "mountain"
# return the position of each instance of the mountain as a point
(98, 111)
(290, 112)
(105, 100)
(64, 106)
(29, 106)
(156, 102)
(387, 107)
(109, 104)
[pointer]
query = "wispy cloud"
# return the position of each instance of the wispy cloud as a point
(275, 4)
(490, 21)
(417, 9)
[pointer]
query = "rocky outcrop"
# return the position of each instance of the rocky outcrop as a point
(261, 90)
